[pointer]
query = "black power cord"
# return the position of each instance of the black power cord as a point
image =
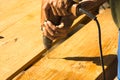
(100, 47)
(99, 36)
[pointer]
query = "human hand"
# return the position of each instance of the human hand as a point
(54, 32)
(58, 7)
(58, 31)
(56, 26)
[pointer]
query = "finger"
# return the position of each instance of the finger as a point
(62, 8)
(52, 4)
(60, 11)
(57, 9)
(61, 25)
(53, 27)
(61, 31)
(60, 34)
(49, 30)
(65, 12)
(61, 28)
(46, 10)
(61, 4)
(45, 33)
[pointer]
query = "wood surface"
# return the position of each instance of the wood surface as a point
(78, 57)
(20, 36)
(20, 29)
(12, 11)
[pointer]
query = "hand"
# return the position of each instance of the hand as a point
(50, 29)
(58, 31)
(58, 7)
(54, 32)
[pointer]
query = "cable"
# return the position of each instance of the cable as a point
(100, 47)
(99, 36)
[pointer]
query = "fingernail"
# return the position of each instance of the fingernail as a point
(61, 25)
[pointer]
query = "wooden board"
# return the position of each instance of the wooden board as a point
(21, 43)
(20, 36)
(78, 57)
(12, 11)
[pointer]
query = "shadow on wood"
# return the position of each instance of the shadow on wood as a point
(95, 60)
(111, 70)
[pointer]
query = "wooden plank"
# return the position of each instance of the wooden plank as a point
(21, 44)
(12, 11)
(22, 20)
(78, 57)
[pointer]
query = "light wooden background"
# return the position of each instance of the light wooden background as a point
(21, 44)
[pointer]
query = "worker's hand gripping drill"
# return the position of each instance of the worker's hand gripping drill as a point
(57, 20)
(55, 24)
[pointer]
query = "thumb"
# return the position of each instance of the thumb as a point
(61, 25)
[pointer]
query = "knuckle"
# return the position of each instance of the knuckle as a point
(45, 33)
(51, 2)
(50, 24)
(47, 28)
(52, 38)
(45, 7)
(61, 6)
(55, 14)
(52, 34)
(54, 28)
(55, 4)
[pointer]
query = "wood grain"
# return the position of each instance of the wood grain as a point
(19, 26)
(20, 44)
(12, 11)
(78, 57)
(20, 36)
